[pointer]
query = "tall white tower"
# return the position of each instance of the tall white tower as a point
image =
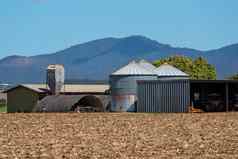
(55, 78)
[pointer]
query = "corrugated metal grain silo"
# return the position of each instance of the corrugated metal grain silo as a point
(55, 78)
(123, 84)
(168, 72)
(169, 94)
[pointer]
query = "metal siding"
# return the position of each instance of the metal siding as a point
(180, 95)
(167, 102)
(164, 96)
(143, 108)
(145, 93)
(147, 100)
(158, 93)
(159, 98)
(124, 92)
(173, 94)
(138, 104)
(149, 89)
(154, 105)
(142, 102)
(151, 98)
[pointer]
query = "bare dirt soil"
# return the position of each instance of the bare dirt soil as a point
(122, 135)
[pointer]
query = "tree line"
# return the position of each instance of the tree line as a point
(197, 68)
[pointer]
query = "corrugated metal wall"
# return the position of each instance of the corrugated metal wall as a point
(124, 91)
(163, 96)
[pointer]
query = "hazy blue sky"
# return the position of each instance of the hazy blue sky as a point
(29, 27)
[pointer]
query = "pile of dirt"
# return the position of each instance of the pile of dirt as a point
(124, 135)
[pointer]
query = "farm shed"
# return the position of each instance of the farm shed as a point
(170, 93)
(23, 98)
(214, 95)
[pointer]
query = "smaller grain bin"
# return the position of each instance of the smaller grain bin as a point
(169, 94)
(168, 72)
(55, 78)
(123, 85)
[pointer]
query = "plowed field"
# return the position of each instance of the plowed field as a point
(119, 135)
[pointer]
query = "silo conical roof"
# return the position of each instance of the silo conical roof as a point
(133, 68)
(147, 65)
(167, 70)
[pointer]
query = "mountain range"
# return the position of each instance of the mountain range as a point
(95, 60)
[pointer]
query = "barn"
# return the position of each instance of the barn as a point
(23, 98)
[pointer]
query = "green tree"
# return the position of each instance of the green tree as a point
(198, 68)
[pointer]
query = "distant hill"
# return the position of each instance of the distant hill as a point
(95, 60)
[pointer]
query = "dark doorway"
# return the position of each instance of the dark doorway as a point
(89, 104)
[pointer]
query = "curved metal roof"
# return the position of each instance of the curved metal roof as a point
(147, 65)
(133, 68)
(167, 70)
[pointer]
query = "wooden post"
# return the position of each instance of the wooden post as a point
(227, 97)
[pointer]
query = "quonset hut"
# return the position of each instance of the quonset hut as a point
(123, 85)
(170, 93)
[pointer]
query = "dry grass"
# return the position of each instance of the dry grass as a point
(119, 135)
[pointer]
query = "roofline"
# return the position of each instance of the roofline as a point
(213, 81)
(174, 76)
(63, 92)
(134, 75)
(155, 81)
(55, 65)
(84, 93)
(137, 64)
(191, 81)
(21, 85)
